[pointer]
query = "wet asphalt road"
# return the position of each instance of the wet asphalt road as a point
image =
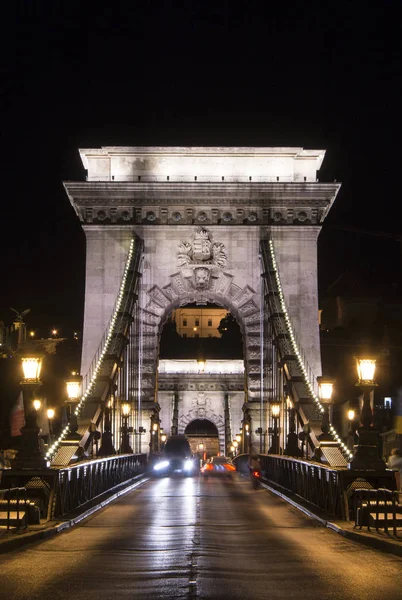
(188, 538)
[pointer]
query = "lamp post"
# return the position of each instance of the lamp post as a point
(246, 438)
(30, 455)
(106, 447)
(367, 456)
(125, 440)
(325, 389)
(275, 412)
(50, 416)
(201, 365)
(73, 387)
(351, 432)
(235, 445)
(155, 438)
(292, 442)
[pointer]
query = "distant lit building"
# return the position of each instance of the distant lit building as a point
(198, 322)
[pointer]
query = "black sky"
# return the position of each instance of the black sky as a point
(317, 75)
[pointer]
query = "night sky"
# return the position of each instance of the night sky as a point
(316, 75)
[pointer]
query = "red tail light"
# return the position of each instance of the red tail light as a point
(256, 474)
(230, 467)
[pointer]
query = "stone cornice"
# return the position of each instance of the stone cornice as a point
(146, 191)
(165, 203)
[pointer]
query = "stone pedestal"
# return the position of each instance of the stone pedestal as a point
(31, 452)
(367, 457)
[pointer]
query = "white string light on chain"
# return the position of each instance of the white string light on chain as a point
(52, 450)
(297, 351)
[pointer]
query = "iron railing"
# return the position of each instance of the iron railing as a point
(317, 484)
(15, 503)
(78, 485)
(377, 507)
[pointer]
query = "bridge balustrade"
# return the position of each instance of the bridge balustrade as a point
(61, 490)
(331, 489)
(77, 485)
(317, 484)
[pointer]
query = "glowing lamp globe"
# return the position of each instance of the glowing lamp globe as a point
(366, 370)
(31, 367)
(73, 386)
(325, 389)
(275, 410)
(125, 409)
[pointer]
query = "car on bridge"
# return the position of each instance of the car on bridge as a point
(218, 466)
(176, 458)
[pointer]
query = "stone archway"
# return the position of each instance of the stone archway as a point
(209, 414)
(202, 280)
(203, 436)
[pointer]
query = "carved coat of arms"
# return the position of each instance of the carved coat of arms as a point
(200, 256)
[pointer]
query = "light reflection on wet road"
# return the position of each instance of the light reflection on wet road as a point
(178, 538)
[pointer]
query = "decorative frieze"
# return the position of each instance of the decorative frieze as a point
(157, 203)
(158, 296)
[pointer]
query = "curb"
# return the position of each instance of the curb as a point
(390, 547)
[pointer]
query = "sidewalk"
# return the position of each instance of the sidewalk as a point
(379, 540)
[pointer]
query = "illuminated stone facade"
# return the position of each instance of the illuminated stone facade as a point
(198, 322)
(202, 213)
(201, 390)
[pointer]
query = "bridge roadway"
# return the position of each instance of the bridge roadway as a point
(177, 538)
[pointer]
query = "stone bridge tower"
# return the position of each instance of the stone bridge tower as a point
(202, 213)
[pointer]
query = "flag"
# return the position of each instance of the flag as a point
(17, 419)
(398, 412)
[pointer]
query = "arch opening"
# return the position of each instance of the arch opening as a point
(203, 437)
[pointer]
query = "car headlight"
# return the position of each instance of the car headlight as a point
(188, 465)
(161, 465)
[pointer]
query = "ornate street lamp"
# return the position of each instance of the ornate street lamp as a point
(125, 439)
(155, 438)
(246, 438)
(73, 387)
(275, 412)
(367, 455)
(31, 367)
(351, 432)
(106, 447)
(292, 442)
(201, 365)
(235, 446)
(30, 455)
(325, 389)
(50, 416)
